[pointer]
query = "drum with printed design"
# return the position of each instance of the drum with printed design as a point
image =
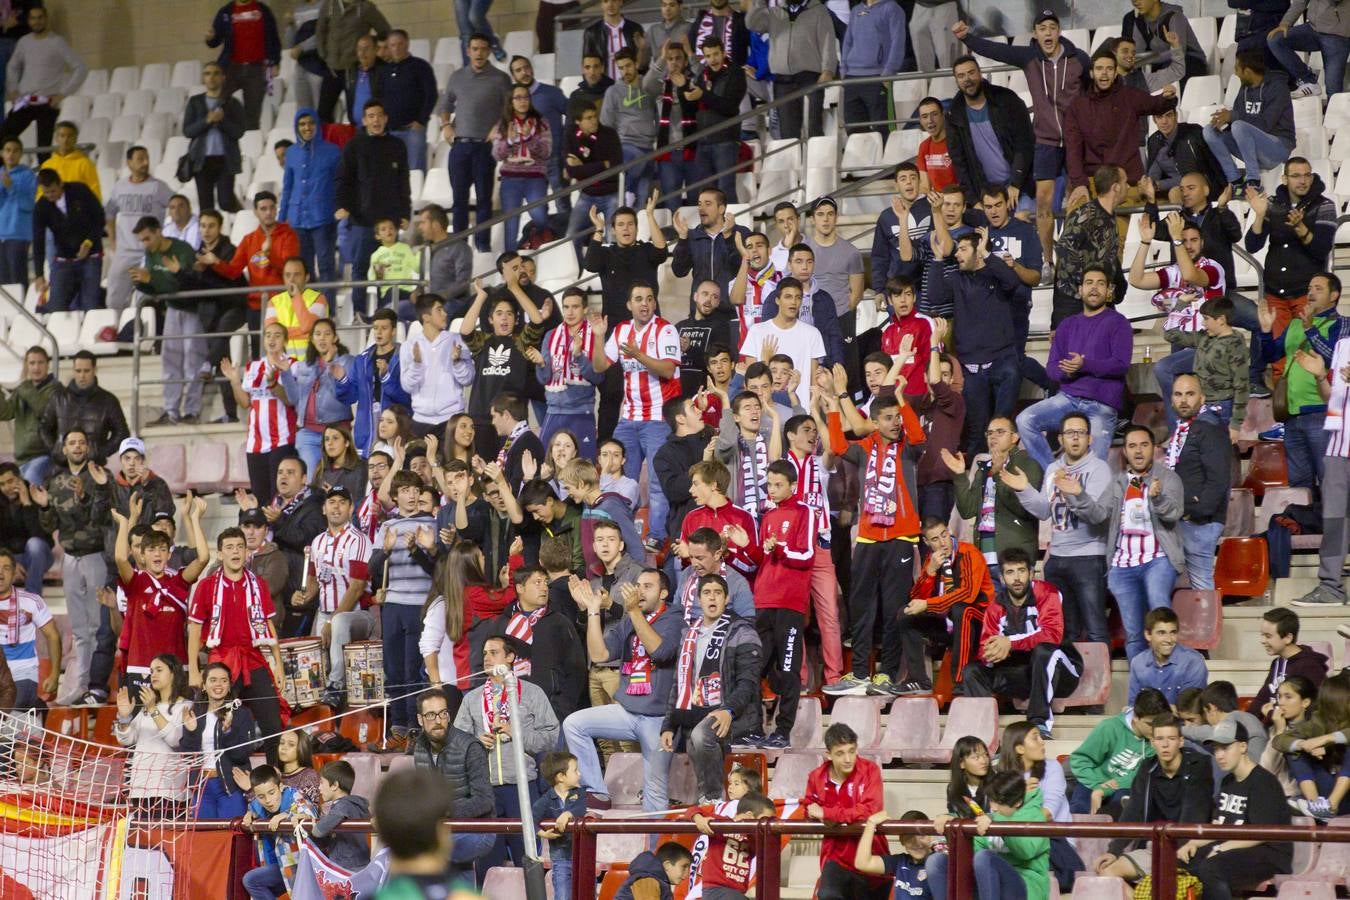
(305, 666)
(364, 662)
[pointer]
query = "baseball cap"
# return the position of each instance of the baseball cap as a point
(131, 443)
(337, 490)
(161, 515)
(827, 200)
(252, 517)
(1044, 16)
(1228, 731)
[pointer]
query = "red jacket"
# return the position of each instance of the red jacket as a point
(913, 374)
(1039, 621)
(963, 580)
(780, 584)
(906, 524)
(849, 803)
(745, 560)
(266, 270)
(1102, 128)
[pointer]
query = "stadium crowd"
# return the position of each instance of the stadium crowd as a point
(656, 524)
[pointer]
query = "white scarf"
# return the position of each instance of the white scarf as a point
(257, 621)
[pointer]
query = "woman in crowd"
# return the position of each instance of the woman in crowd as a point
(152, 723)
(313, 391)
(521, 142)
(340, 466)
(394, 427)
(458, 443)
(561, 449)
(224, 732)
(1022, 750)
(1293, 702)
(1315, 750)
(295, 762)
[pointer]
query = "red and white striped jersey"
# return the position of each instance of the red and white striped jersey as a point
(1136, 544)
(271, 423)
(758, 285)
(335, 560)
(811, 492)
(1338, 435)
(643, 393)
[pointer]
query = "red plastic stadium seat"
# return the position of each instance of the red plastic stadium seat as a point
(1268, 469)
(169, 461)
(210, 469)
(863, 715)
(1151, 415)
(911, 724)
(238, 468)
(1332, 865)
(1101, 887)
(1094, 687)
(609, 885)
(312, 715)
(1307, 890)
(1089, 848)
(789, 774)
(1201, 615)
(1241, 519)
(754, 762)
(1242, 567)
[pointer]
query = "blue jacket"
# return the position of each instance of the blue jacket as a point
(552, 105)
(874, 43)
(222, 35)
(823, 318)
(298, 381)
(309, 185)
(574, 398)
(357, 386)
(267, 843)
(16, 205)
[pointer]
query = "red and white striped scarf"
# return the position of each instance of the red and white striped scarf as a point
(505, 452)
(701, 685)
(521, 627)
(161, 598)
(370, 514)
(257, 620)
(495, 704)
(564, 372)
(520, 132)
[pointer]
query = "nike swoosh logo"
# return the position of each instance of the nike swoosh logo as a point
(634, 101)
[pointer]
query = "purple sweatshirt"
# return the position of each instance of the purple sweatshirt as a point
(1107, 343)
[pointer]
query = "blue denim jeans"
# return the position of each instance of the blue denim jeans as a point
(36, 469)
(712, 159)
(1257, 150)
(988, 393)
(415, 139)
(1082, 583)
(579, 222)
(561, 868)
(264, 883)
(642, 440)
(309, 444)
(1201, 543)
(36, 559)
(471, 164)
(471, 847)
(214, 803)
(1334, 49)
(318, 248)
(74, 284)
(516, 192)
(638, 181)
(14, 257)
(1305, 448)
(995, 878)
(402, 625)
(1047, 415)
(612, 721)
(1138, 589)
(472, 18)
(674, 174)
(356, 243)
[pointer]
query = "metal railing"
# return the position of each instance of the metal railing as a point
(38, 324)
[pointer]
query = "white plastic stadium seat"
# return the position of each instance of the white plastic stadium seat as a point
(447, 51)
(23, 333)
(147, 326)
(95, 321)
(244, 222)
(518, 43)
(171, 100)
(95, 83)
(76, 108)
(250, 145)
(1206, 29)
(106, 106)
(822, 152)
(125, 78)
(187, 73)
(138, 103)
(1201, 90)
(862, 152)
(436, 189)
(901, 145)
(125, 129)
(154, 76)
(420, 48)
(546, 67)
(1308, 112)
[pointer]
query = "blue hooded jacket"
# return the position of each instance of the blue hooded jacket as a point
(357, 385)
(309, 186)
(16, 205)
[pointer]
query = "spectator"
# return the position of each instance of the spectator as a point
(1089, 241)
(265, 559)
(152, 725)
(1259, 126)
(718, 90)
(945, 410)
(838, 271)
(28, 544)
(1150, 78)
(933, 159)
(511, 431)
(647, 643)
(486, 714)
(1016, 242)
(591, 150)
(983, 494)
(708, 252)
(756, 279)
(450, 261)
(990, 138)
(12, 27)
(341, 24)
(134, 197)
(407, 85)
(710, 324)
(71, 214)
(41, 72)
(1056, 73)
(271, 419)
(676, 117)
(674, 28)
(789, 333)
(1105, 764)
(18, 187)
(307, 195)
(250, 52)
(719, 20)
(25, 615)
(522, 142)
(614, 32)
(715, 700)
(340, 466)
(561, 803)
(908, 208)
(1219, 704)
(223, 795)
(181, 222)
(69, 161)
(1150, 22)
(551, 104)
(873, 44)
(803, 50)
(631, 112)
(183, 355)
(1321, 783)
(1177, 785)
(297, 309)
(845, 789)
(1102, 128)
(564, 369)
(1142, 506)
(418, 840)
(888, 527)
(1178, 149)
(312, 387)
(541, 634)
(214, 122)
(709, 484)
(1279, 638)
(364, 80)
(373, 380)
(1198, 454)
(26, 406)
(276, 804)
(1323, 31)
(1167, 666)
(930, 30)
(301, 26)
(372, 184)
(85, 406)
(499, 355)
(656, 874)
(594, 83)
(1089, 358)
(351, 851)
(392, 262)
(296, 517)
(474, 100)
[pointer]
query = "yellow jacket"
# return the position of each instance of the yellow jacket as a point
(298, 316)
(76, 166)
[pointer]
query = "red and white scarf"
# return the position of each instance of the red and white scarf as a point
(370, 514)
(688, 598)
(521, 428)
(12, 618)
(521, 627)
(879, 483)
(564, 372)
(638, 668)
(699, 682)
(290, 506)
(257, 619)
(495, 705)
(752, 477)
(161, 598)
(1178, 442)
(520, 132)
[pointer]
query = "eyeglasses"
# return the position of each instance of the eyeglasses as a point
(441, 715)
(1075, 432)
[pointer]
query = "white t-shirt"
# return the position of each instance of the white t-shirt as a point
(802, 342)
(21, 615)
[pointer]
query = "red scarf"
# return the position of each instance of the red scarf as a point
(879, 483)
(564, 372)
(521, 627)
(638, 668)
(11, 618)
(257, 621)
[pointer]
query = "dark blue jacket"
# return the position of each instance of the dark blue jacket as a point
(408, 91)
(645, 865)
(823, 317)
(552, 105)
(308, 184)
(358, 385)
(222, 35)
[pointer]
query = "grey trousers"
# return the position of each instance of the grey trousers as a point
(931, 30)
(1335, 506)
(82, 577)
(357, 625)
(119, 277)
(182, 360)
(706, 752)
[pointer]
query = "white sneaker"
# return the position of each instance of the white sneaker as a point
(1307, 89)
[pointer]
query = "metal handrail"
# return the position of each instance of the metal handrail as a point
(23, 310)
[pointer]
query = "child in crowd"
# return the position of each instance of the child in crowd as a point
(1221, 361)
(393, 260)
(726, 868)
(652, 874)
(563, 802)
(1188, 706)
(906, 867)
(1105, 763)
(345, 849)
(1010, 868)
(1310, 746)
(742, 781)
(277, 805)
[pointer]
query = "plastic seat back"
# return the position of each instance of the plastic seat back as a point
(789, 774)
(1268, 469)
(1242, 567)
(911, 723)
(623, 778)
(863, 715)
(1201, 615)
(1094, 684)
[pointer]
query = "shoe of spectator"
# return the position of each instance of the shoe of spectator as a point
(598, 801)
(1273, 434)
(1319, 596)
(775, 741)
(882, 685)
(1259, 391)
(1319, 809)
(499, 53)
(92, 698)
(911, 688)
(1343, 630)
(189, 419)
(107, 334)
(225, 420)
(1306, 89)
(848, 686)
(335, 699)
(165, 418)
(1044, 730)
(753, 739)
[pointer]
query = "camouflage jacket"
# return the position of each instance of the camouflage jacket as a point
(1222, 364)
(83, 522)
(1088, 239)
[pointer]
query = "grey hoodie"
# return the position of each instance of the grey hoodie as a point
(1164, 511)
(349, 850)
(802, 44)
(1323, 15)
(1069, 534)
(1268, 106)
(1256, 733)
(630, 109)
(538, 731)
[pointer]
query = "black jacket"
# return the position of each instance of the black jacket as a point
(595, 40)
(292, 534)
(196, 128)
(1190, 153)
(463, 762)
(1197, 772)
(1205, 470)
(18, 524)
(740, 670)
(557, 659)
(671, 465)
(721, 101)
(372, 179)
(709, 258)
(1011, 122)
(82, 221)
(408, 89)
(95, 410)
(597, 152)
(620, 268)
(1289, 261)
(241, 739)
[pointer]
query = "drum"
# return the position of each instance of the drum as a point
(365, 672)
(304, 665)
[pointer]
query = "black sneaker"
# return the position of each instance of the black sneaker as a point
(775, 741)
(911, 688)
(753, 739)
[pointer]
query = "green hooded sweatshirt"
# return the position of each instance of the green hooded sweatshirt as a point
(1111, 751)
(1029, 856)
